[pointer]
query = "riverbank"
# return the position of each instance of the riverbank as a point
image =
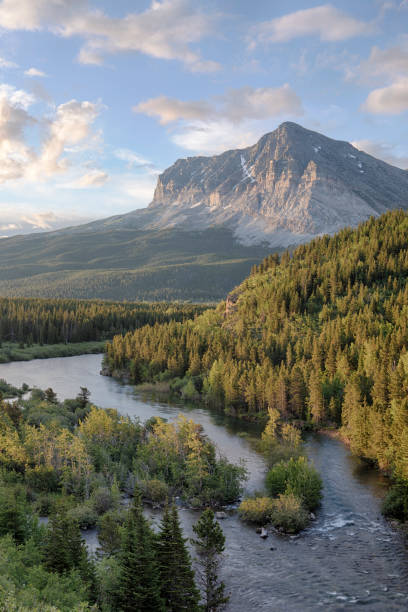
(10, 351)
(348, 554)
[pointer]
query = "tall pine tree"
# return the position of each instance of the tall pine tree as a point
(178, 588)
(139, 588)
(210, 543)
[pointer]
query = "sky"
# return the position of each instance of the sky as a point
(97, 97)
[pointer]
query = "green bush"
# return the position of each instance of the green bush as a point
(154, 490)
(395, 504)
(44, 505)
(84, 515)
(42, 478)
(288, 513)
(102, 500)
(298, 477)
(256, 509)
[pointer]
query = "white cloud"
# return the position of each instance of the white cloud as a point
(225, 121)
(70, 125)
(389, 63)
(325, 21)
(34, 72)
(389, 100)
(94, 178)
(166, 30)
(383, 151)
(132, 158)
(214, 136)
(236, 106)
(169, 110)
(7, 64)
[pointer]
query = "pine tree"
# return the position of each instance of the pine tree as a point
(178, 588)
(139, 589)
(210, 543)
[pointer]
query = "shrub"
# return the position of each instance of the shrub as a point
(298, 477)
(84, 515)
(395, 504)
(288, 513)
(154, 490)
(45, 503)
(102, 500)
(42, 478)
(256, 509)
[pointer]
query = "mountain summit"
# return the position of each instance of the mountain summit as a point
(292, 185)
(210, 220)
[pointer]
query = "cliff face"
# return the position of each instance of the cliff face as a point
(290, 186)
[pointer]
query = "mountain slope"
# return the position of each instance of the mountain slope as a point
(320, 337)
(210, 220)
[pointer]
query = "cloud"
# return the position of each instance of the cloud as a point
(7, 64)
(212, 126)
(168, 110)
(70, 125)
(389, 63)
(383, 151)
(325, 21)
(166, 30)
(43, 221)
(132, 158)
(389, 100)
(214, 137)
(95, 178)
(34, 72)
(236, 106)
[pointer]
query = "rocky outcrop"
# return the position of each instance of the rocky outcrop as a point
(290, 186)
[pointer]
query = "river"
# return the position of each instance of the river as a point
(350, 556)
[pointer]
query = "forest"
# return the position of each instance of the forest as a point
(45, 321)
(319, 334)
(82, 467)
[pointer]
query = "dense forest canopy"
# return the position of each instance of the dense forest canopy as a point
(76, 464)
(321, 335)
(45, 321)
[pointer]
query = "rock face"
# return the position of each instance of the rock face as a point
(292, 185)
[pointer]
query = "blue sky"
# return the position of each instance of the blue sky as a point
(97, 97)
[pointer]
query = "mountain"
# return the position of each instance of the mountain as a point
(210, 220)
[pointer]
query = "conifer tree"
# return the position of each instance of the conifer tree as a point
(178, 588)
(139, 589)
(210, 543)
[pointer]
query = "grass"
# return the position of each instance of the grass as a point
(15, 352)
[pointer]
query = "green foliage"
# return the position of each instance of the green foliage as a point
(180, 456)
(298, 477)
(154, 490)
(210, 544)
(289, 513)
(178, 589)
(256, 509)
(319, 335)
(138, 587)
(395, 504)
(25, 585)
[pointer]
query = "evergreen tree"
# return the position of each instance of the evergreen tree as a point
(139, 588)
(210, 543)
(178, 588)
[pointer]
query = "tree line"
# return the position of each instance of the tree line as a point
(46, 321)
(320, 335)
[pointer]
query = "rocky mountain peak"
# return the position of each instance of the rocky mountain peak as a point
(292, 185)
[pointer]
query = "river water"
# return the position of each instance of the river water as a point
(349, 556)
